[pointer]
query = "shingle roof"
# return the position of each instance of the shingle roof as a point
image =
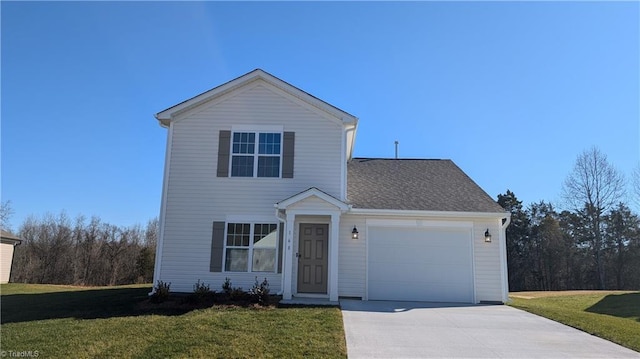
(7, 235)
(414, 184)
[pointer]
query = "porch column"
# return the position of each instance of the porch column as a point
(287, 267)
(333, 257)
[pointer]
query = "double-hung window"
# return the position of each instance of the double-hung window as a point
(256, 154)
(251, 247)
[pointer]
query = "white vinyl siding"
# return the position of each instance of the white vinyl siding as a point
(352, 259)
(196, 196)
(6, 257)
(487, 260)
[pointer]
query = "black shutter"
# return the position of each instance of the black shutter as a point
(217, 246)
(287, 154)
(224, 142)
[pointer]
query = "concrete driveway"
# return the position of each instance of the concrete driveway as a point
(378, 329)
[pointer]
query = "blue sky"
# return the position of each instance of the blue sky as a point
(511, 92)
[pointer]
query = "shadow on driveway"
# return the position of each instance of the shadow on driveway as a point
(354, 305)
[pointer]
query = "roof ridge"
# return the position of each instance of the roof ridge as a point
(401, 159)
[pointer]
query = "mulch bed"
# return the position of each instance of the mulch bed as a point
(183, 302)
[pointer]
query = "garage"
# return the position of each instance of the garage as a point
(431, 264)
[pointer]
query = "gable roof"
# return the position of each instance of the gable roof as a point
(348, 120)
(312, 192)
(414, 184)
(166, 115)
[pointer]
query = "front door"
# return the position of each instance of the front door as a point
(313, 258)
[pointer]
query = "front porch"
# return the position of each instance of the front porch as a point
(311, 221)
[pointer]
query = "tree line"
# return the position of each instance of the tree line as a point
(87, 252)
(594, 243)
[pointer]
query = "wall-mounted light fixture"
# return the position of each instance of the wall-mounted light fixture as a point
(354, 233)
(487, 236)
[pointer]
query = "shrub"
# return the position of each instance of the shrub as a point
(161, 292)
(260, 292)
(201, 290)
(237, 294)
(234, 294)
(201, 293)
(226, 286)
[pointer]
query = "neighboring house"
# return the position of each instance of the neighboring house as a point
(7, 242)
(259, 181)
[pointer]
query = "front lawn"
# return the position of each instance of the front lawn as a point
(118, 322)
(612, 315)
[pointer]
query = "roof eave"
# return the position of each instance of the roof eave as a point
(423, 213)
(163, 122)
(14, 242)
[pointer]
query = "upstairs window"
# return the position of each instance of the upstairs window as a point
(256, 154)
(246, 153)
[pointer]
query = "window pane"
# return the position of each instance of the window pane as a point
(269, 144)
(265, 239)
(242, 166)
(238, 234)
(237, 260)
(265, 236)
(269, 166)
(243, 142)
(264, 260)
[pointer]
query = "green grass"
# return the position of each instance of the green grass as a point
(614, 316)
(118, 322)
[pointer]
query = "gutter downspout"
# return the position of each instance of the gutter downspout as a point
(157, 267)
(503, 254)
(506, 222)
(15, 244)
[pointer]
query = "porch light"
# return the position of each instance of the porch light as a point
(487, 236)
(354, 233)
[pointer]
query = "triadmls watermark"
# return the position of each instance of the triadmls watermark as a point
(19, 353)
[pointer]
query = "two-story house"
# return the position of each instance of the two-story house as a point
(260, 181)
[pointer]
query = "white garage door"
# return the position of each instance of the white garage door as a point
(420, 264)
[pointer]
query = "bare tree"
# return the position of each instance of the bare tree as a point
(5, 214)
(594, 187)
(84, 253)
(635, 184)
